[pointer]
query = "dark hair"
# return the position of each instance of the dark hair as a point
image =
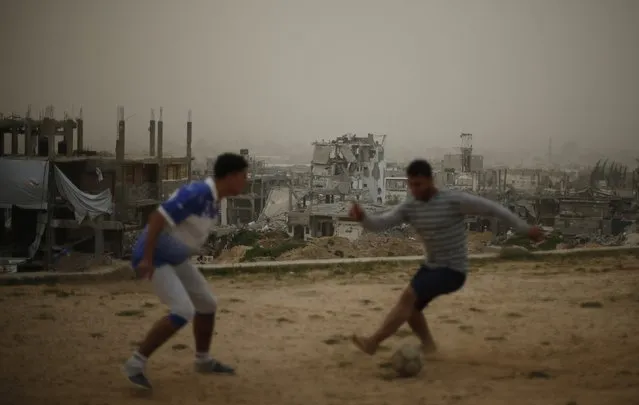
(419, 167)
(227, 164)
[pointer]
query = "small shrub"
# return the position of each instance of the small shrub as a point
(245, 237)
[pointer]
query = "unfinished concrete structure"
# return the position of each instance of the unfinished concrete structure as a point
(132, 186)
(464, 161)
(396, 189)
(330, 219)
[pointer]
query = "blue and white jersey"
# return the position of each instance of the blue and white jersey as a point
(190, 213)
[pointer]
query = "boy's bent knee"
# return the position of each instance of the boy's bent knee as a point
(181, 314)
(205, 304)
(408, 297)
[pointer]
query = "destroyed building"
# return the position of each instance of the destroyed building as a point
(64, 198)
(349, 165)
(396, 189)
(345, 169)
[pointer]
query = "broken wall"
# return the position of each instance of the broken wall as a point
(169, 186)
(586, 209)
(577, 226)
(277, 204)
(348, 229)
(144, 191)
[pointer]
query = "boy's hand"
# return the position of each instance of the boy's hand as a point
(356, 212)
(145, 269)
(536, 234)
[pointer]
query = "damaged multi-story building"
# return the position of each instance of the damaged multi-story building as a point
(348, 168)
(350, 165)
(64, 198)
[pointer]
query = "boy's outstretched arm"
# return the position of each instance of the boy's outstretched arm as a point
(474, 205)
(395, 216)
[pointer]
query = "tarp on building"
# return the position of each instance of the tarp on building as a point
(84, 204)
(23, 183)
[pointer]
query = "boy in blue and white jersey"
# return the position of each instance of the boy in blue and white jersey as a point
(175, 232)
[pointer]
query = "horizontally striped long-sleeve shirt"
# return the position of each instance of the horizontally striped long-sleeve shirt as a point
(441, 225)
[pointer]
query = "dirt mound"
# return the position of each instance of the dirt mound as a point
(272, 239)
(371, 245)
(233, 255)
(478, 240)
(320, 248)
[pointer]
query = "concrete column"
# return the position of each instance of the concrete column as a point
(80, 133)
(160, 154)
(1, 143)
(122, 133)
(160, 151)
(224, 216)
(290, 196)
(189, 141)
(505, 179)
(47, 129)
(99, 241)
(28, 138)
(41, 138)
(120, 204)
(152, 134)
(14, 140)
(68, 136)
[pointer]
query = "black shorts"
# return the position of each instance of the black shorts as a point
(429, 283)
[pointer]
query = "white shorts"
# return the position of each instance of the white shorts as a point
(184, 290)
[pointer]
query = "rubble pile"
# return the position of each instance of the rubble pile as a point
(632, 239)
(128, 240)
(555, 240)
(235, 245)
(232, 255)
(367, 246)
(391, 243)
(73, 262)
(592, 241)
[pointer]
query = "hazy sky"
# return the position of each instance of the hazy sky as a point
(274, 75)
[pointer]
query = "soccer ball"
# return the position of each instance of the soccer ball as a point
(407, 361)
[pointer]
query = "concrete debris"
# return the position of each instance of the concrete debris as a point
(592, 241)
(632, 239)
(128, 240)
(75, 262)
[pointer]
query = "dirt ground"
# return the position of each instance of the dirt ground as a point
(518, 333)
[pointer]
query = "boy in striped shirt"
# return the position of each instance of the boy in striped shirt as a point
(438, 216)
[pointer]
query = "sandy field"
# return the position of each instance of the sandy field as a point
(519, 333)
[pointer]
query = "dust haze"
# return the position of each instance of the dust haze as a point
(275, 75)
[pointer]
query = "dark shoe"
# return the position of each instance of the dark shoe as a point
(213, 366)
